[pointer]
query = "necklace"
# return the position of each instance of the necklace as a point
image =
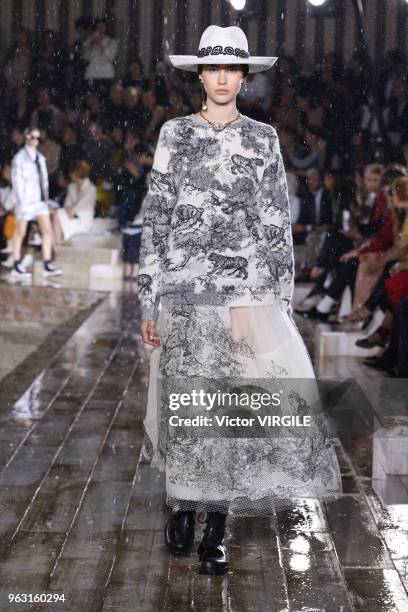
(218, 127)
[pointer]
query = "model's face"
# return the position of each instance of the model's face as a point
(222, 82)
(33, 139)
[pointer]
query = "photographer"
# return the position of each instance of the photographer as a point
(100, 51)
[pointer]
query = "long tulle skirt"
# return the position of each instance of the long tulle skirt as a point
(235, 470)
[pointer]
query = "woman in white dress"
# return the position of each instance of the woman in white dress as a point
(77, 215)
(215, 286)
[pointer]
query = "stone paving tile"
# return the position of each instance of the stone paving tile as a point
(376, 590)
(13, 501)
(138, 573)
(312, 570)
(355, 535)
(306, 515)
(257, 580)
(16, 383)
(98, 523)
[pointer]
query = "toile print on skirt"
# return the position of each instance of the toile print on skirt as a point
(239, 471)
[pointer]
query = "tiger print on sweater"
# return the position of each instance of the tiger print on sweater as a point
(216, 225)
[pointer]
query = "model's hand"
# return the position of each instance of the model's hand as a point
(148, 332)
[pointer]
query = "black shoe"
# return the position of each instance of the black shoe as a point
(179, 532)
(211, 551)
(371, 359)
(299, 311)
(313, 313)
(50, 269)
(381, 363)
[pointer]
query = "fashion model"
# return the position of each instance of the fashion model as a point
(215, 286)
(30, 181)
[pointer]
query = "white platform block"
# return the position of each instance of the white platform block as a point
(299, 293)
(390, 451)
(88, 262)
(339, 343)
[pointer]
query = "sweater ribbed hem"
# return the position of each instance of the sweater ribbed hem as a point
(221, 299)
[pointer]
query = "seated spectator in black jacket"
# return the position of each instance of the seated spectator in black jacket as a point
(98, 150)
(71, 149)
(315, 218)
(130, 177)
(315, 208)
(135, 76)
(114, 107)
(396, 114)
(134, 119)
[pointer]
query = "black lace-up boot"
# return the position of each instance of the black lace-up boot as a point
(211, 551)
(179, 532)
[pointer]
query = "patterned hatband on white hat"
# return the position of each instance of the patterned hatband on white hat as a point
(220, 45)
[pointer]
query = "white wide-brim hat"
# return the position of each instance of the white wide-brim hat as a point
(220, 45)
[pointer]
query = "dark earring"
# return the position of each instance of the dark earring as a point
(204, 106)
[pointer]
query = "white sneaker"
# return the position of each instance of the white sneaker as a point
(9, 263)
(27, 260)
(51, 270)
(19, 272)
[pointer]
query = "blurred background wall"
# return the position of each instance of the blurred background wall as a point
(152, 28)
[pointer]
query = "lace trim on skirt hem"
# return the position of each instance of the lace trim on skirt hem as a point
(268, 505)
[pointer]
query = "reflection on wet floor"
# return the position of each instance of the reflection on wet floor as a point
(83, 515)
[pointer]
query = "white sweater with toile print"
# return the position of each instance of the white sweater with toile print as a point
(216, 224)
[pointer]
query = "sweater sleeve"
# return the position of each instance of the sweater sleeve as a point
(273, 201)
(158, 207)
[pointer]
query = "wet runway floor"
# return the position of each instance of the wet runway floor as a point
(82, 515)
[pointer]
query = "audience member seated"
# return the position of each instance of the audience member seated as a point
(17, 68)
(337, 240)
(381, 220)
(153, 115)
(46, 108)
(130, 178)
(135, 76)
(133, 109)
(325, 119)
(79, 207)
(7, 219)
(380, 263)
(98, 150)
(71, 149)
(393, 358)
(51, 150)
(115, 108)
(315, 218)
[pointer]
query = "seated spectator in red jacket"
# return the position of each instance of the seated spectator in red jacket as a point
(381, 219)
